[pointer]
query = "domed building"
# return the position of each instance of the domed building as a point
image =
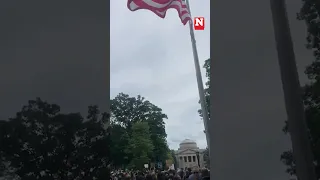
(189, 155)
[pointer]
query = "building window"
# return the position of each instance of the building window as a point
(189, 158)
(185, 158)
(194, 158)
(180, 158)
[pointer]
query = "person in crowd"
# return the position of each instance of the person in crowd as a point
(205, 174)
(169, 176)
(188, 173)
(161, 176)
(195, 174)
(150, 176)
(140, 176)
(181, 173)
(177, 177)
(156, 174)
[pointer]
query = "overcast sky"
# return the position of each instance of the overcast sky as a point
(153, 57)
(59, 53)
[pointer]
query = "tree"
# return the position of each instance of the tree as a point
(42, 143)
(5, 171)
(126, 111)
(172, 156)
(140, 145)
(312, 115)
(207, 88)
(309, 13)
(119, 139)
(207, 97)
(206, 157)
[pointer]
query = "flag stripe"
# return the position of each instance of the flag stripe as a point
(160, 7)
(158, 4)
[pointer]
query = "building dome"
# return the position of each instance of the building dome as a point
(188, 144)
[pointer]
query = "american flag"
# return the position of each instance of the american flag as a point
(160, 7)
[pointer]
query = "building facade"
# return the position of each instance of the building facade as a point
(189, 155)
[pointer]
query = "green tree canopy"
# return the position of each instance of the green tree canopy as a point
(119, 139)
(140, 145)
(127, 111)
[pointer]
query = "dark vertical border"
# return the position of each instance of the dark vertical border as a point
(211, 124)
(107, 72)
(108, 53)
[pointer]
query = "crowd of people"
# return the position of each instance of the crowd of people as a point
(156, 174)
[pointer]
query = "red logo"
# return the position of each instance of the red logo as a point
(198, 23)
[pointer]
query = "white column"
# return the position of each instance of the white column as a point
(182, 161)
(201, 160)
(197, 159)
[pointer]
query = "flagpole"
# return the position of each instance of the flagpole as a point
(302, 152)
(203, 103)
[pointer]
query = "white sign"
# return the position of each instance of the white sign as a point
(146, 166)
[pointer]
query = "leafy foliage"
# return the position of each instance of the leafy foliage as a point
(172, 156)
(207, 88)
(119, 139)
(127, 112)
(140, 145)
(40, 142)
(311, 92)
(207, 97)
(206, 157)
(309, 13)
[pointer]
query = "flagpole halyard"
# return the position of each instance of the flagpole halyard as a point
(203, 103)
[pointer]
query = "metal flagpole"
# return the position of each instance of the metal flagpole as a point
(292, 93)
(204, 109)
